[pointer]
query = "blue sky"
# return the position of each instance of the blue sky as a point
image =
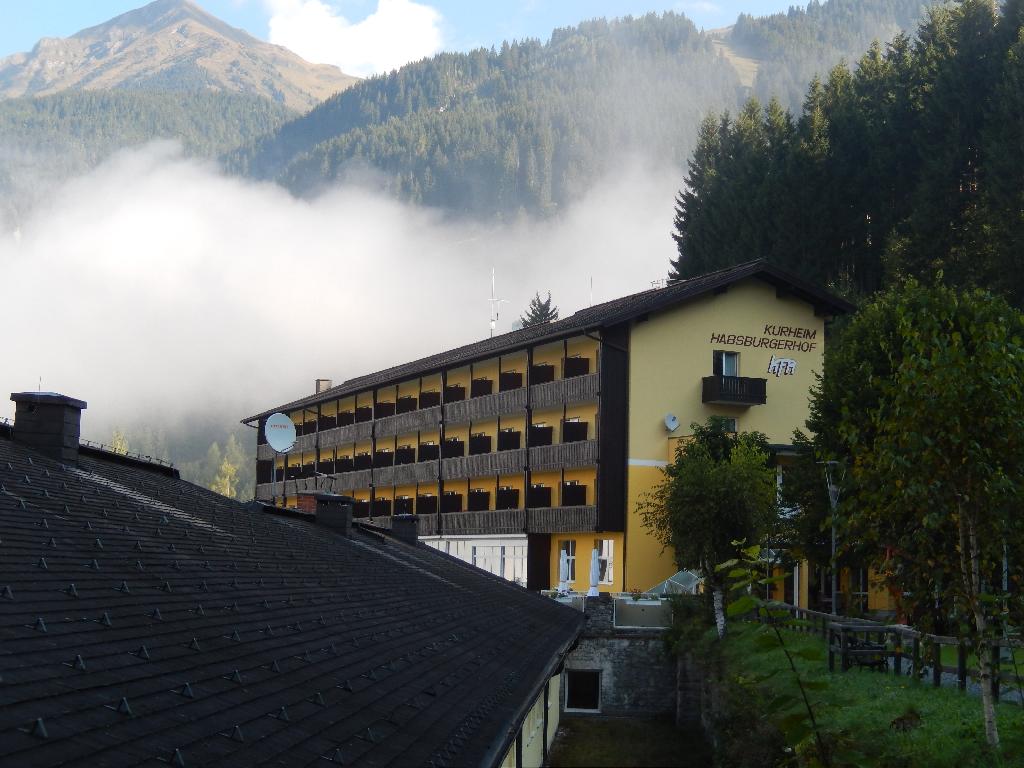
(323, 26)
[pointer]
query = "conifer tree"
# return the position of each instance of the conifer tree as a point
(539, 311)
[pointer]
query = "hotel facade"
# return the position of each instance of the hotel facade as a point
(514, 449)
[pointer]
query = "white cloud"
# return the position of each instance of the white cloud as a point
(397, 32)
(699, 6)
(160, 290)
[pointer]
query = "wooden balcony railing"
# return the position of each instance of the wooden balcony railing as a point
(407, 474)
(485, 406)
(734, 390)
(561, 519)
(575, 390)
(426, 525)
(482, 523)
(425, 419)
(348, 480)
(353, 433)
(500, 463)
(579, 454)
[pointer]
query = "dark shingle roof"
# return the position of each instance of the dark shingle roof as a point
(145, 619)
(598, 316)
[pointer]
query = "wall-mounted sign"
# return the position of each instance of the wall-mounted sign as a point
(782, 366)
(784, 338)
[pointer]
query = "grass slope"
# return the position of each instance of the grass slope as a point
(862, 705)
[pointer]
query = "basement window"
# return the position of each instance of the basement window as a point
(582, 690)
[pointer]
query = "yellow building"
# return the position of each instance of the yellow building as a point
(514, 449)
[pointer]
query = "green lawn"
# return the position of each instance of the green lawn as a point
(627, 742)
(862, 705)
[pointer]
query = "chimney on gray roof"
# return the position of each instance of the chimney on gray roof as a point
(322, 385)
(49, 423)
(403, 528)
(335, 511)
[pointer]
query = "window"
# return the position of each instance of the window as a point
(569, 547)
(583, 690)
(726, 363)
(605, 559)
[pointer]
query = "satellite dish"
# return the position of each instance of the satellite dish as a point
(280, 432)
(671, 422)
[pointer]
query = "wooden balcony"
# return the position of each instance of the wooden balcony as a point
(567, 455)
(485, 407)
(305, 443)
(500, 463)
(578, 389)
(426, 525)
(734, 390)
(426, 419)
(561, 519)
(264, 452)
(348, 480)
(483, 523)
(407, 474)
(353, 433)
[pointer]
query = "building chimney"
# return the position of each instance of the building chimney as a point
(48, 423)
(322, 385)
(403, 528)
(335, 511)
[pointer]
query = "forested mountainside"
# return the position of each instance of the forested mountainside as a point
(791, 48)
(910, 164)
(49, 138)
(529, 126)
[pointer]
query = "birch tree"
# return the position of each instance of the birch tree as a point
(935, 442)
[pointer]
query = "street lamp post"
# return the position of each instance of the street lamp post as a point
(832, 479)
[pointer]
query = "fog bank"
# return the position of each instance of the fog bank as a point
(158, 289)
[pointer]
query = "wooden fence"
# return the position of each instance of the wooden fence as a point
(866, 643)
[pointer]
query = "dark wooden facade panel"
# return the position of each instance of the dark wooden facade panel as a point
(538, 561)
(612, 451)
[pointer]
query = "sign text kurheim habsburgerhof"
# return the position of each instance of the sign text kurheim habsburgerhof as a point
(780, 337)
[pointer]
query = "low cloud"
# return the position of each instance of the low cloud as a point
(397, 32)
(160, 290)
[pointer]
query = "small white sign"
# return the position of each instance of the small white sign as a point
(782, 366)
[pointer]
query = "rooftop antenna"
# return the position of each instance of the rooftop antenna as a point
(495, 305)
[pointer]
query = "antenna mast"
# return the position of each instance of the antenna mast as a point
(495, 305)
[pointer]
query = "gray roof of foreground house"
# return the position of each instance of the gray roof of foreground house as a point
(596, 317)
(145, 620)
